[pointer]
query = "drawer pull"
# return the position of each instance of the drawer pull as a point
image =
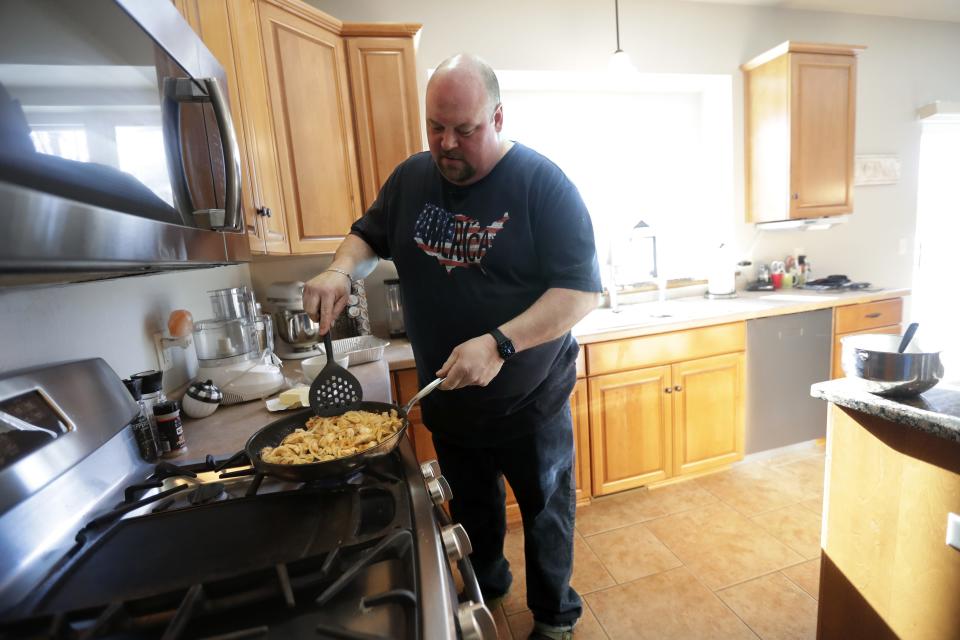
(875, 314)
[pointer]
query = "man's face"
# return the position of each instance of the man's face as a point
(462, 127)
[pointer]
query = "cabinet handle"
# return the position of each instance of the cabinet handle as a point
(678, 388)
(668, 390)
(873, 315)
(264, 212)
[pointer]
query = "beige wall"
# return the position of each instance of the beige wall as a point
(908, 63)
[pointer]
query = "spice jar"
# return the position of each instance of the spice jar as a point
(170, 428)
(143, 431)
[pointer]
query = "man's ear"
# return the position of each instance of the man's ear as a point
(498, 117)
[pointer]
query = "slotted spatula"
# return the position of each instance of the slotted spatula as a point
(334, 387)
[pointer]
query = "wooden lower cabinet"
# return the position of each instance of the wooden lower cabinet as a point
(405, 383)
(630, 428)
(837, 368)
(707, 413)
(652, 424)
(880, 316)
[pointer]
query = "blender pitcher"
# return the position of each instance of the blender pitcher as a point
(394, 308)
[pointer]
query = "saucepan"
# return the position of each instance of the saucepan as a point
(272, 434)
(876, 360)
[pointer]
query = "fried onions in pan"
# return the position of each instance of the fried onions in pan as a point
(330, 438)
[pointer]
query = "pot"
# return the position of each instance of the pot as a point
(873, 359)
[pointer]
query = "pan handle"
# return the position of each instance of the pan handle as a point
(420, 394)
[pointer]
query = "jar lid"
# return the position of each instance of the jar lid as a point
(205, 392)
(166, 408)
(133, 386)
(150, 381)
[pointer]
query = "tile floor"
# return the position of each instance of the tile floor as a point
(730, 555)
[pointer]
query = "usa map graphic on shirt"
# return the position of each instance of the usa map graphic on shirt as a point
(454, 239)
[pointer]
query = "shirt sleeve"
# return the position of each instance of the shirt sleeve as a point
(374, 226)
(563, 234)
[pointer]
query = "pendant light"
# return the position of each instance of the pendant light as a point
(619, 61)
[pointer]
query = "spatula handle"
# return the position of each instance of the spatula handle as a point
(328, 346)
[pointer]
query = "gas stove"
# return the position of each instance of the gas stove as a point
(215, 550)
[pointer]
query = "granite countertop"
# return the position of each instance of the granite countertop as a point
(226, 431)
(936, 412)
(690, 312)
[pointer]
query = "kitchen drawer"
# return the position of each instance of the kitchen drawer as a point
(869, 315)
(837, 371)
(665, 348)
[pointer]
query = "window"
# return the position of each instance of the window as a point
(655, 148)
(935, 303)
(136, 153)
(64, 141)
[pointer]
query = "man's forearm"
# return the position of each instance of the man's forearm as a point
(355, 257)
(551, 316)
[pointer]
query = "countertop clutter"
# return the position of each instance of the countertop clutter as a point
(936, 412)
(646, 318)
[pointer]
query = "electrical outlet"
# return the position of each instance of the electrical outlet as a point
(164, 361)
(953, 530)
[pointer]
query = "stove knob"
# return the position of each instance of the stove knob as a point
(439, 489)
(456, 542)
(430, 469)
(476, 622)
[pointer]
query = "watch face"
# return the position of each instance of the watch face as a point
(506, 349)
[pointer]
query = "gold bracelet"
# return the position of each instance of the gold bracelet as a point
(342, 272)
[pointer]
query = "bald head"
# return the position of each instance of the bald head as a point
(464, 119)
(469, 68)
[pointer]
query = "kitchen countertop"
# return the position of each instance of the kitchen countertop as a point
(226, 431)
(691, 312)
(936, 412)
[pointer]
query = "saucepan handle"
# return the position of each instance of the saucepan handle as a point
(423, 392)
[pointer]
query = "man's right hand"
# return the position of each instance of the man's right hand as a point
(325, 296)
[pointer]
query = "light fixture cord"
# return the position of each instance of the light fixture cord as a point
(616, 14)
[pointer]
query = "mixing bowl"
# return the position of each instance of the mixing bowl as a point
(873, 359)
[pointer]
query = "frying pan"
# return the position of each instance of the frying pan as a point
(272, 434)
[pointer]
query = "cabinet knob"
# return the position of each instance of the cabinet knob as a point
(668, 390)
(796, 196)
(678, 388)
(264, 212)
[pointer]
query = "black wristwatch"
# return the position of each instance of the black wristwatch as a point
(504, 345)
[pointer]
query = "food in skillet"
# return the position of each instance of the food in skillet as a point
(329, 438)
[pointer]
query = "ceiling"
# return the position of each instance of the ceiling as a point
(947, 10)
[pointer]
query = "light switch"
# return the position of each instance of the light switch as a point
(953, 530)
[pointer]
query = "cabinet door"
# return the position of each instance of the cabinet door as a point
(383, 83)
(708, 413)
(822, 108)
(630, 429)
(310, 100)
(580, 408)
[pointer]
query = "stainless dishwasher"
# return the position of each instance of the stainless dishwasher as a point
(785, 355)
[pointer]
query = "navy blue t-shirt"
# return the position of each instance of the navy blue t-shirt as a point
(470, 259)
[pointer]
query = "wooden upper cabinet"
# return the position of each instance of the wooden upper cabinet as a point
(313, 123)
(223, 25)
(385, 104)
(800, 108)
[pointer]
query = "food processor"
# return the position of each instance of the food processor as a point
(234, 349)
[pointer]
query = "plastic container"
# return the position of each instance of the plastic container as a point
(143, 431)
(170, 428)
(151, 392)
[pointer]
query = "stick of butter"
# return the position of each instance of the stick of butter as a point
(297, 395)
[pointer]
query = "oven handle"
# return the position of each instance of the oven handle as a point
(233, 221)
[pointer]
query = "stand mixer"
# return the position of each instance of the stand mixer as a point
(298, 335)
(235, 349)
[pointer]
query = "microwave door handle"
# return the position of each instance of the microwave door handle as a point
(170, 111)
(233, 221)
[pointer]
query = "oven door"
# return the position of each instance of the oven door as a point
(117, 149)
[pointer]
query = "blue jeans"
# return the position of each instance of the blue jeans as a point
(539, 467)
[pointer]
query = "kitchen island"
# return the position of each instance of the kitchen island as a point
(892, 478)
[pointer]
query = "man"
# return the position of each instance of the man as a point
(495, 253)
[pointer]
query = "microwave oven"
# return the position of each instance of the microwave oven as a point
(117, 150)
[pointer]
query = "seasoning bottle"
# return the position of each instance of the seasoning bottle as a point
(172, 441)
(143, 431)
(151, 392)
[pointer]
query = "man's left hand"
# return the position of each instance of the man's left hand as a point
(474, 362)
